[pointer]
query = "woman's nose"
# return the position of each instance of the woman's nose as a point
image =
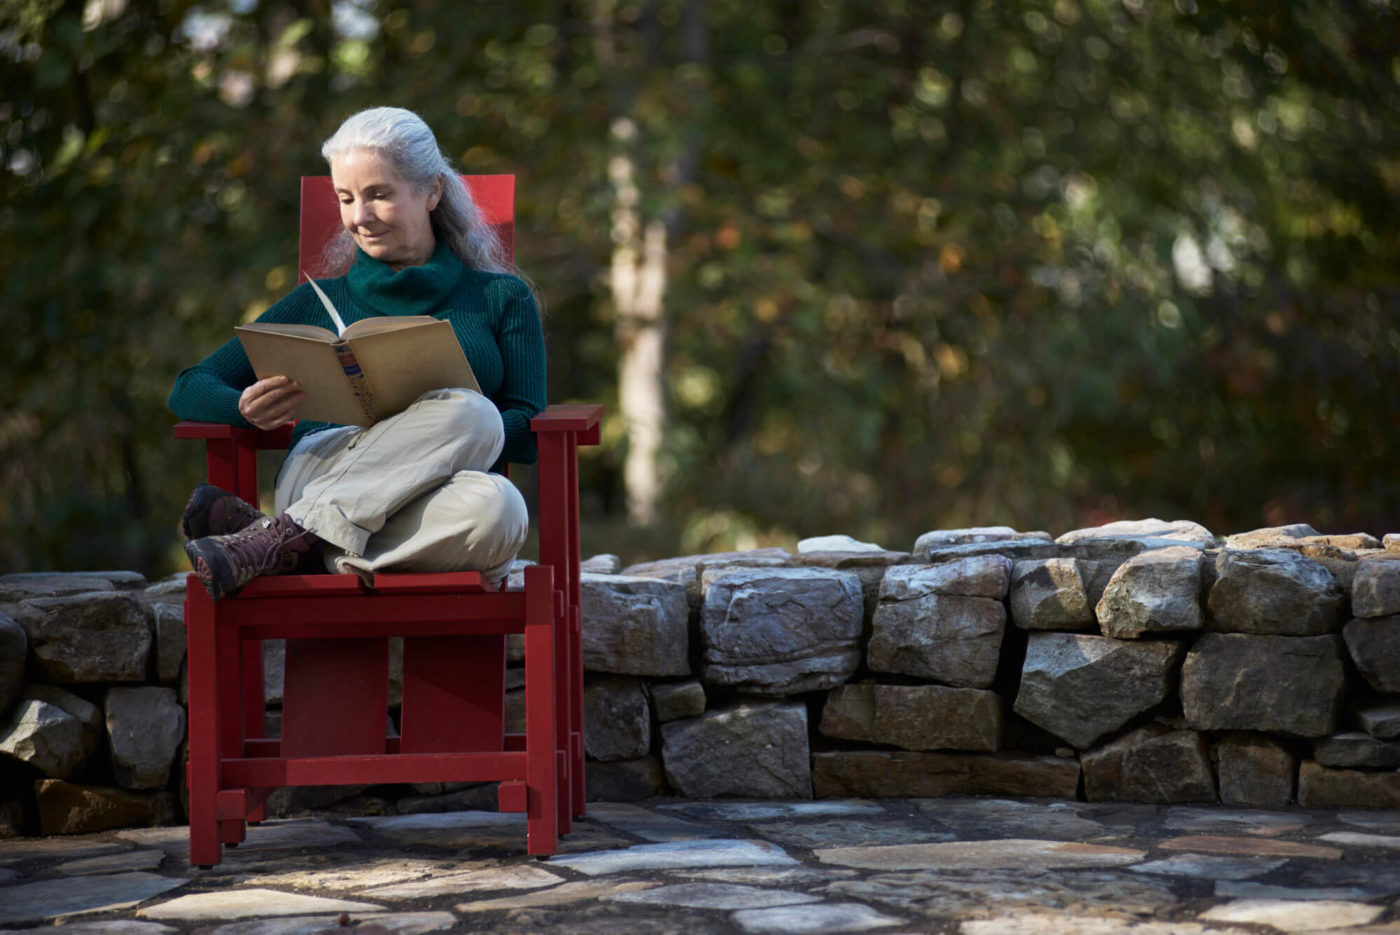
(360, 213)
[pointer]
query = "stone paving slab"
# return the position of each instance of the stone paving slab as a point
(668, 856)
(247, 903)
(813, 920)
(954, 866)
(107, 927)
(58, 899)
(1291, 915)
(112, 863)
(488, 879)
(980, 855)
(408, 923)
(713, 896)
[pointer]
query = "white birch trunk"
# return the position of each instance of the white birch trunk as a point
(638, 281)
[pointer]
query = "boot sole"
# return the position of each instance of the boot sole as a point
(212, 569)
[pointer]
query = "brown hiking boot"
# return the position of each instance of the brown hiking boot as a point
(272, 545)
(213, 511)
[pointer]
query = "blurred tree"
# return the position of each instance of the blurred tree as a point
(1037, 263)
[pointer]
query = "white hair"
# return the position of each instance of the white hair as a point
(401, 137)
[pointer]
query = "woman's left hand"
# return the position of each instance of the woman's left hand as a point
(269, 403)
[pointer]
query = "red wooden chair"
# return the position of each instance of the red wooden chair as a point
(335, 699)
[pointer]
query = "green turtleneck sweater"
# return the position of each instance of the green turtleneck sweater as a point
(493, 314)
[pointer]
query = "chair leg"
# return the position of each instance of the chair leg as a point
(542, 772)
(577, 775)
(203, 776)
(233, 831)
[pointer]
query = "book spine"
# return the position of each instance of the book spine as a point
(359, 386)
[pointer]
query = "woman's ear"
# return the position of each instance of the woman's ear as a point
(436, 195)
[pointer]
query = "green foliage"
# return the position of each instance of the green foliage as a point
(1043, 264)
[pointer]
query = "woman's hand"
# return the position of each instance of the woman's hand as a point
(271, 402)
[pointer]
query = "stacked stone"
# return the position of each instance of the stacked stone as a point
(1143, 661)
(92, 721)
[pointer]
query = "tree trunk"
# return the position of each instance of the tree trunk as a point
(637, 274)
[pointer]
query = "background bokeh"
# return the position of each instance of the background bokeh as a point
(910, 264)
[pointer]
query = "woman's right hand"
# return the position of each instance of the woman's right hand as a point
(269, 403)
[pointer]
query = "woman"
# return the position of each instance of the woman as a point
(414, 491)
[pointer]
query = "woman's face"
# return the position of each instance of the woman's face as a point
(386, 216)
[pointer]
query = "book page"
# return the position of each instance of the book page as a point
(314, 332)
(312, 363)
(403, 363)
(385, 323)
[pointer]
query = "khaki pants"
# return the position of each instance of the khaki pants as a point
(410, 493)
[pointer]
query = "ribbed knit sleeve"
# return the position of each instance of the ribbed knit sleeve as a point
(520, 339)
(209, 391)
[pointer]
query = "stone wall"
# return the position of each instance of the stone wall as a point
(1144, 662)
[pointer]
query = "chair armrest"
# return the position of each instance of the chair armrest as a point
(581, 418)
(280, 437)
(231, 453)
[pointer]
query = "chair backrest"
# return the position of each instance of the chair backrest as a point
(320, 214)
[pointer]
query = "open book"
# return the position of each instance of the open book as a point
(368, 371)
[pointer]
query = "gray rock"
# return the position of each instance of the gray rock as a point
(687, 570)
(625, 781)
(172, 586)
(1280, 684)
(1341, 562)
(1381, 720)
(170, 641)
(1375, 589)
(22, 587)
(672, 701)
(915, 717)
(14, 649)
(1355, 750)
(88, 637)
(1391, 542)
(897, 773)
(616, 719)
(274, 653)
(1374, 646)
(1081, 687)
(942, 622)
(1255, 771)
(976, 534)
(1320, 787)
(1097, 573)
(756, 750)
(1264, 538)
(869, 567)
(1150, 764)
(1273, 592)
(837, 543)
(145, 726)
(601, 565)
(1049, 594)
(68, 808)
(48, 738)
(1155, 592)
(87, 713)
(978, 576)
(1176, 531)
(635, 626)
(1016, 550)
(781, 631)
